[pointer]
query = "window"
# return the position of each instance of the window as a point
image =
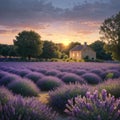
(73, 54)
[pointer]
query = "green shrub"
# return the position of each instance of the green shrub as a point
(109, 75)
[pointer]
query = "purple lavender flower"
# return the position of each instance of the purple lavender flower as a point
(94, 107)
(5, 95)
(19, 108)
(59, 97)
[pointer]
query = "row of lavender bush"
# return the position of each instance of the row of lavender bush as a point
(28, 79)
(87, 106)
(19, 108)
(59, 97)
(49, 76)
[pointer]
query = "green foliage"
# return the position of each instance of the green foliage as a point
(98, 47)
(110, 31)
(50, 50)
(7, 50)
(109, 75)
(28, 44)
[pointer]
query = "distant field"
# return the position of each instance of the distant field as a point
(54, 83)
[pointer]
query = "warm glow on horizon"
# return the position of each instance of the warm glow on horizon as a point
(56, 37)
(66, 42)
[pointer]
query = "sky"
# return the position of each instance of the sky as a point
(61, 21)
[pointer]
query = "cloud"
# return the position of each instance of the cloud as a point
(33, 12)
(43, 16)
(26, 12)
(96, 11)
(7, 30)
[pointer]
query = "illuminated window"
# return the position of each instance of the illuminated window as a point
(73, 54)
(77, 54)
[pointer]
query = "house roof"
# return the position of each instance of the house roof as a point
(77, 48)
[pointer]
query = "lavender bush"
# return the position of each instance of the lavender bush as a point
(72, 78)
(112, 86)
(80, 72)
(53, 72)
(23, 72)
(59, 97)
(2, 74)
(98, 72)
(92, 78)
(94, 107)
(49, 83)
(24, 87)
(8, 78)
(26, 109)
(5, 95)
(34, 76)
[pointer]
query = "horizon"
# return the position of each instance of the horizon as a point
(60, 21)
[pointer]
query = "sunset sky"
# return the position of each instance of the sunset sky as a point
(61, 21)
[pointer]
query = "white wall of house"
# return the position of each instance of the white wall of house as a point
(88, 52)
(78, 55)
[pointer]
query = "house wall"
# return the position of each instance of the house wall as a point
(88, 52)
(75, 55)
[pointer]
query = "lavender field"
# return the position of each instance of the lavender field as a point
(74, 91)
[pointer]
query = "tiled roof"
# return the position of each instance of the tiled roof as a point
(77, 48)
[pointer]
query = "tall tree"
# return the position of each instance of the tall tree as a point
(28, 44)
(50, 50)
(110, 31)
(98, 47)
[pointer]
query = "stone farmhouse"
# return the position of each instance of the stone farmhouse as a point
(80, 52)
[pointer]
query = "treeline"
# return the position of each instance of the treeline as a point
(51, 50)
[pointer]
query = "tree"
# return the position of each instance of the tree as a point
(7, 50)
(28, 44)
(110, 31)
(4, 50)
(98, 47)
(50, 50)
(12, 51)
